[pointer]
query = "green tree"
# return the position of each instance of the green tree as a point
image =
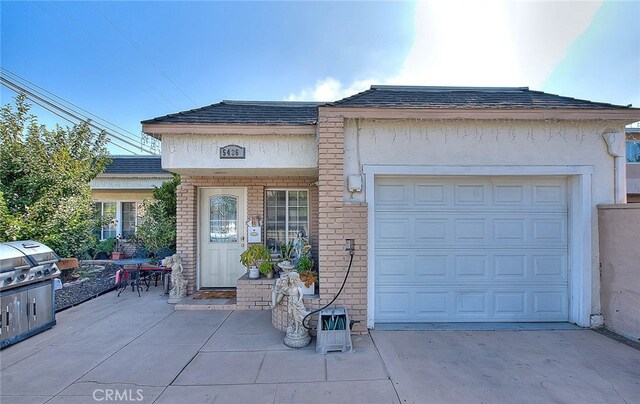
(44, 180)
(157, 227)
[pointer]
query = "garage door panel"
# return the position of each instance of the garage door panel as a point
(400, 266)
(471, 249)
(472, 303)
(471, 266)
(394, 304)
(474, 193)
(420, 229)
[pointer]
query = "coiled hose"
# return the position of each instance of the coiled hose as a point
(335, 297)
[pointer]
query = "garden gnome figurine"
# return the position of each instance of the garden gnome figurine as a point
(290, 285)
(179, 288)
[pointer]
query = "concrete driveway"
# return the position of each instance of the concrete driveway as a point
(127, 349)
(577, 366)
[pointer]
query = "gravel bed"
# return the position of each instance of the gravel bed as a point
(96, 278)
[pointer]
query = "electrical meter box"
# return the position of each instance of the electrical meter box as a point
(334, 331)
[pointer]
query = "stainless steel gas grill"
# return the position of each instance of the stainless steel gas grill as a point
(27, 269)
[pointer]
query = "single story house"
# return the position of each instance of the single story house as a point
(119, 191)
(464, 204)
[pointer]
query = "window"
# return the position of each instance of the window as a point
(119, 218)
(287, 213)
(106, 211)
(223, 219)
(633, 151)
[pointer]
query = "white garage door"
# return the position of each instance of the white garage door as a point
(470, 249)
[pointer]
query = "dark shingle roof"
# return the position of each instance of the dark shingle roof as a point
(306, 113)
(141, 165)
(465, 98)
(247, 113)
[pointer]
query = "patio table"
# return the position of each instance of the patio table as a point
(129, 273)
(161, 271)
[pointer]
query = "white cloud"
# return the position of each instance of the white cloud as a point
(473, 43)
(330, 89)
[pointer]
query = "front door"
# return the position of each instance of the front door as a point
(222, 236)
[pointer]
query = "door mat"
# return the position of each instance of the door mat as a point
(216, 294)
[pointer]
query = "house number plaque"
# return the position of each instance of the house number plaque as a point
(232, 151)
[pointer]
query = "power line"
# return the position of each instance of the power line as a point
(78, 117)
(147, 58)
(31, 85)
(138, 80)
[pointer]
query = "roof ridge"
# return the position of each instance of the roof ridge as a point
(274, 103)
(445, 88)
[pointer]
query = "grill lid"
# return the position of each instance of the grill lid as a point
(34, 252)
(12, 259)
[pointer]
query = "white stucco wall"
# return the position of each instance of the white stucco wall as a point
(200, 154)
(487, 143)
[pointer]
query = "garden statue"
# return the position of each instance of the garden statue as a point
(179, 287)
(290, 285)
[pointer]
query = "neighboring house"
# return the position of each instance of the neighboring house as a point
(465, 204)
(120, 190)
(633, 164)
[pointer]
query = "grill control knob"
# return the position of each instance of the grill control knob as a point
(8, 280)
(46, 272)
(38, 274)
(22, 277)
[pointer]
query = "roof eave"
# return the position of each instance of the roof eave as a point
(626, 115)
(158, 129)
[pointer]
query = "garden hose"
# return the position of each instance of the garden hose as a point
(335, 297)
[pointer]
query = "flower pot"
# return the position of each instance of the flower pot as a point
(269, 275)
(254, 273)
(117, 255)
(311, 290)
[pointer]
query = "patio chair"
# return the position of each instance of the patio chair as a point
(158, 271)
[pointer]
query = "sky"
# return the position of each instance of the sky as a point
(127, 61)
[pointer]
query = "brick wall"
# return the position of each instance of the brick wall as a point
(187, 225)
(339, 221)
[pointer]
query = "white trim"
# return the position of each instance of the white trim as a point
(580, 218)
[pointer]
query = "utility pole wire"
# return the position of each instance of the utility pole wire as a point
(30, 85)
(147, 58)
(138, 80)
(17, 88)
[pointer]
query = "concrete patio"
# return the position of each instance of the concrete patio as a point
(140, 349)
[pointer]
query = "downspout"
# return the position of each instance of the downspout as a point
(615, 147)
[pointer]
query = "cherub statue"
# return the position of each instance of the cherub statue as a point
(179, 287)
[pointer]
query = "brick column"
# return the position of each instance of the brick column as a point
(186, 228)
(337, 222)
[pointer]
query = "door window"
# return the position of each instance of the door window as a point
(223, 219)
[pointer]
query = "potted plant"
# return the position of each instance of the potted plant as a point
(253, 257)
(118, 254)
(266, 269)
(308, 276)
(104, 248)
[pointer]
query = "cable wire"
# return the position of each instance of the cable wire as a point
(21, 81)
(39, 100)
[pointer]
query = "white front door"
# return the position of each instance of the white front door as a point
(222, 216)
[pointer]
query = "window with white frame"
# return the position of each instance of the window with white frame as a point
(286, 214)
(633, 151)
(118, 218)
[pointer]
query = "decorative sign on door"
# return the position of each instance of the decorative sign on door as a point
(254, 234)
